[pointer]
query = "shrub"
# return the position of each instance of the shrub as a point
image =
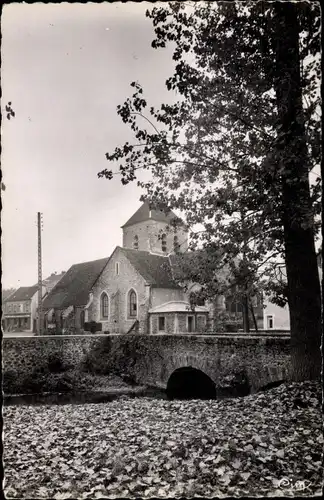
(55, 364)
(10, 382)
(34, 381)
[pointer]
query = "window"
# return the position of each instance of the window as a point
(176, 246)
(233, 306)
(132, 304)
(117, 267)
(104, 306)
(269, 322)
(190, 323)
(161, 323)
(164, 243)
(135, 244)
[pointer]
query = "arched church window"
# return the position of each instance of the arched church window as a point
(135, 244)
(132, 304)
(176, 246)
(164, 243)
(104, 306)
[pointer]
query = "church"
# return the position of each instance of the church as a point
(133, 290)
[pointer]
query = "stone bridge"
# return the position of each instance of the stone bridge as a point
(204, 365)
(235, 364)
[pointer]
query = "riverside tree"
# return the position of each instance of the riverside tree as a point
(236, 150)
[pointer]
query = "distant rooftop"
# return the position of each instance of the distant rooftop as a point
(23, 293)
(52, 280)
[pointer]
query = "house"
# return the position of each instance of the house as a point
(276, 317)
(20, 308)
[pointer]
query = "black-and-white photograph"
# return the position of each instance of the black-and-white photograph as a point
(161, 250)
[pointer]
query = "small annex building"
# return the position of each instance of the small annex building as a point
(176, 317)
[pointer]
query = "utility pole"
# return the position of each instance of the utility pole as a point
(40, 283)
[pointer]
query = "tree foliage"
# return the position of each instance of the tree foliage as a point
(212, 152)
(235, 152)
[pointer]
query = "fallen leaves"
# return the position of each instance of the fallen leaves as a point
(146, 448)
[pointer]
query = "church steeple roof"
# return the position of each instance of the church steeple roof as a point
(146, 213)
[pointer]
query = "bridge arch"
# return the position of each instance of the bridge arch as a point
(190, 383)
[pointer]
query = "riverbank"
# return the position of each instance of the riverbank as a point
(264, 444)
(72, 387)
(67, 381)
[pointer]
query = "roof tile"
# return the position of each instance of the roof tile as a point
(155, 269)
(23, 293)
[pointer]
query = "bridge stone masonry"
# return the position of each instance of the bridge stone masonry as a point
(207, 366)
(234, 364)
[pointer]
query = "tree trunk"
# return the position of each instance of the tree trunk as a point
(304, 296)
(253, 317)
(246, 319)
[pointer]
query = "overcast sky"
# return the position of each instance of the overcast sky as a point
(65, 68)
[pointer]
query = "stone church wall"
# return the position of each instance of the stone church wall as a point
(117, 287)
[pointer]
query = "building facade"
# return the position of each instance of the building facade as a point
(19, 309)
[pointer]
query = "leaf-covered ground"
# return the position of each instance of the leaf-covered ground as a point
(264, 444)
